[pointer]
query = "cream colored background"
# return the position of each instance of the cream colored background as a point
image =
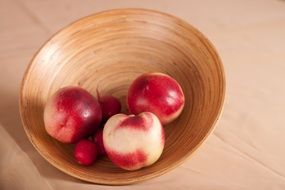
(246, 151)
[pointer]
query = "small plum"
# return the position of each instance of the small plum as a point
(85, 152)
(98, 139)
(110, 106)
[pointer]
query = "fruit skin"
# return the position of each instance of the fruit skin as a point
(110, 106)
(98, 139)
(85, 152)
(71, 114)
(157, 93)
(132, 142)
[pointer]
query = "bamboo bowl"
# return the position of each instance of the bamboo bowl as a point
(106, 51)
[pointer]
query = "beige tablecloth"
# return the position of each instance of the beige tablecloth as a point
(246, 151)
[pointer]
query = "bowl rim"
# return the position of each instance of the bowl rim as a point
(182, 159)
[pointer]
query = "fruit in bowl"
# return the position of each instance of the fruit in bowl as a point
(133, 142)
(85, 152)
(98, 139)
(71, 114)
(110, 106)
(130, 141)
(157, 93)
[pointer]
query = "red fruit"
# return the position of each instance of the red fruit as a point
(71, 114)
(85, 152)
(98, 139)
(157, 93)
(110, 106)
(133, 142)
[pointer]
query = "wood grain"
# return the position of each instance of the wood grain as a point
(106, 51)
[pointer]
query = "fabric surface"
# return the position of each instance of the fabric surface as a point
(246, 151)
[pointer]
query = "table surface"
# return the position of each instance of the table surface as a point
(246, 151)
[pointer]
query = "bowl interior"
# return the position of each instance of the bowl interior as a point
(106, 51)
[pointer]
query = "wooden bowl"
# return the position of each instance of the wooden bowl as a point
(106, 51)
